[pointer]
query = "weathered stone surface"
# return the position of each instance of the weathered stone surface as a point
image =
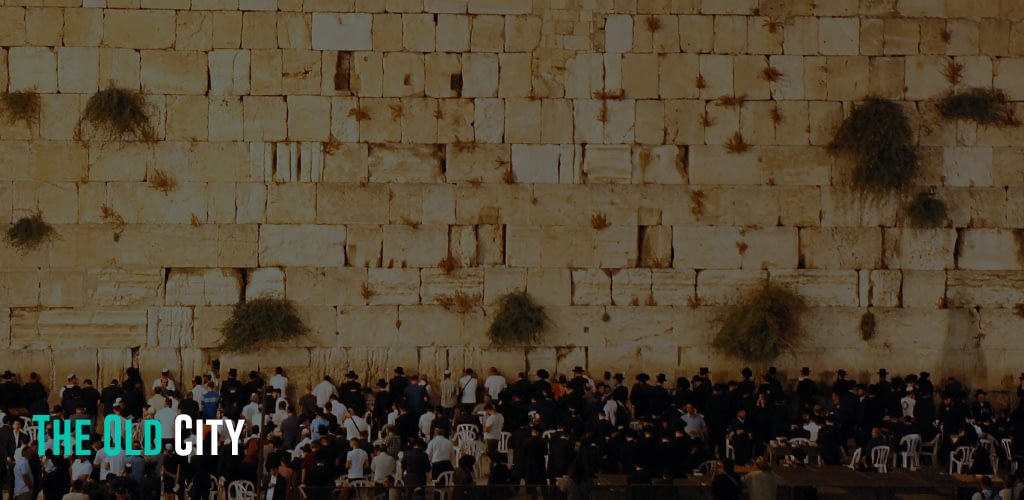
(203, 287)
(98, 328)
(278, 245)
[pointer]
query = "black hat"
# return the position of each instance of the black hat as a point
(8, 374)
(925, 375)
(643, 377)
(542, 373)
(399, 370)
(747, 372)
(254, 374)
(772, 370)
(704, 370)
(805, 371)
(841, 372)
(883, 372)
(232, 372)
(352, 375)
(578, 369)
(619, 377)
(661, 377)
(382, 383)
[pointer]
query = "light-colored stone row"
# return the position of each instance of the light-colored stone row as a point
(265, 281)
(138, 29)
(200, 287)
(422, 246)
(32, 68)
(341, 31)
(277, 245)
(392, 286)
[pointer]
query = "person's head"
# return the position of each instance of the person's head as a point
(279, 370)
(690, 409)
(876, 432)
(986, 483)
(489, 408)
(388, 481)
(741, 413)
(762, 464)
(354, 443)
(492, 371)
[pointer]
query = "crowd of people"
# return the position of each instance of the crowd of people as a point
(541, 431)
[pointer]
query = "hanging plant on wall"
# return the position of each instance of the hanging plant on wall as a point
(518, 319)
(20, 106)
(763, 325)
(982, 106)
(259, 321)
(927, 211)
(878, 135)
(29, 232)
(868, 326)
(118, 114)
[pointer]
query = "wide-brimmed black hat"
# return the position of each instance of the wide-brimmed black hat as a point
(619, 377)
(351, 374)
(399, 370)
(542, 373)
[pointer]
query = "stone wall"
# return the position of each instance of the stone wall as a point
(321, 147)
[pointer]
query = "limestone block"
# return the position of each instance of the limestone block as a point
(655, 246)
(325, 286)
(631, 287)
(294, 31)
(439, 70)
(169, 327)
(59, 201)
(349, 32)
(499, 280)
(265, 118)
(500, 7)
(761, 39)
(926, 249)
(967, 166)
(462, 245)
(801, 35)
(33, 68)
(769, 248)
(229, 157)
(347, 164)
(489, 120)
(194, 30)
(266, 72)
(120, 67)
(423, 246)
(730, 34)
(591, 287)
(994, 37)
(446, 6)
(301, 71)
(841, 247)
(309, 118)
(821, 287)
(351, 204)
(435, 283)
(641, 64)
(265, 281)
(549, 287)
(514, 80)
(886, 288)
(138, 29)
(521, 117)
(479, 75)
(989, 249)
(78, 69)
(838, 35)
(13, 18)
(363, 245)
(670, 287)
(84, 29)
(117, 287)
(227, 30)
(984, 288)
(699, 34)
(423, 204)
(845, 207)
(229, 72)
(683, 123)
(535, 164)
(404, 164)
(291, 203)
(615, 247)
(101, 328)
(558, 205)
(650, 122)
(706, 247)
(174, 72)
(551, 246)
(607, 164)
(726, 287)
(393, 286)
(584, 75)
(488, 34)
(621, 121)
(456, 122)
(203, 287)
(277, 245)
(384, 123)
(753, 126)
(20, 288)
(678, 74)
(453, 33)
(403, 74)
(490, 249)
(187, 118)
(714, 165)
(717, 71)
(220, 203)
(522, 33)
(618, 31)
(433, 325)
(588, 126)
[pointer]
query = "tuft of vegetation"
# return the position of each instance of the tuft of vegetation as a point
(508, 177)
(706, 120)
(21, 107)
(332, 145)
(653, 23)
(358, 114)
(731, 101)
(599, 221)
(460, 301)
(771, 74)
(366, 291)
(195, 221)
(29, 232)
(162, 181)
(114, 217)
(879, 136)
(736, 144)
(868, 327)
(953, 71)
(772, 25)
(700, 82)
(448, 264)
(775, 115)
(259, 321)
(518, 319)
(982, 106)
(763, 325)
(409, 222)
(605, 317)
(119, 114)
(697, 202)
(926, 210)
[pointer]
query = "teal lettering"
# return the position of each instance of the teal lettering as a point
(41, 421)
(153, 431)
(80, 437)
(112, 434)
(61, 436)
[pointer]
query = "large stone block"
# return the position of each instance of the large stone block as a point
(631, 287)
(95, 328)
(351, 204)
(393, 286)
(928, 249)
(138, 29)
(421, 204)
(33, 68)
(170, 327)
(325, 245)
(769, 248)
(203, 287)
(481, 162)
(991, 249)
(607, 164)
(342, 31)
(821, 287)
(405, 164)
(841, 247)
(422, 246)
(726, 287)
(984, 288)
(706, 247)
(591, 287)
(437, 284)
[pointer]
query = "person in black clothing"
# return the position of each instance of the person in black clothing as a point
(640, 396)
(522, 387)
(534, 451)
(35, 395)
(396, 386)
(726, 484)
(806, 390)
(233, 395)
(110, 395)
(134, 400)
(351, 393)
(747, 385)
(11, 394)
(830, 442)
(619, 391)
(658, 396)
(541, 387)
(89, 398)
(416, 464)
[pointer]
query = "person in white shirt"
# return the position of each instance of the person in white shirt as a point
(356, 460)
(164, 382)
(23, 479)
(81, 468)
(495, 383)
(440, 451)
(113, 464)
(382, 465)
(252, 411)
(279, 380)
(354, 425)
(198, 389)
(493, 425)
(166, 416)
(467, 386)
(908, 402)
(427, 421)
(323, 391)
(280, 414)
(338, 408)
(306, 440)
(610, 405)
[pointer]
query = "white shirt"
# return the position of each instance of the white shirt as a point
(198, 392)
(908, 404)
(468, 386)
(166, 417)
(323, 392)
(609, 410)
(426, 420)
(251, 414)
(440, 449)
(358, 458)
(113, 464)
(812, 427)
(271, 485)
(338, 410)
(494, 385)
(382, 465)
(21, 469)
(493, 425)
(81, 468)
(170, 383)
(279, 381)
(354, 426)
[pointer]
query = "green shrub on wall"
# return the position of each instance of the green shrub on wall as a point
(868, 326)
(761, 326)
(927, 211)
(20, 106)
(29, 232)
(518, 319)
(982, 106)
(879, 136)
(259, 321)
(118, 114)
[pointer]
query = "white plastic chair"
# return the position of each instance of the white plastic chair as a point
(730, 452)
(880, 458)
(961, 459)
(855, 458)
(911, 458)
(930, 449)
(1007, 443)
(547, 434)
(33, 433)
(216, 487)
(358, 483)
(503, 446)
(241, 490)
(707, 468)
(465, 433)
(444, 479)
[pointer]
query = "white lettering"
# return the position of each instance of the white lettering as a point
(234, 434)
(181, 447)
(214, 425)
